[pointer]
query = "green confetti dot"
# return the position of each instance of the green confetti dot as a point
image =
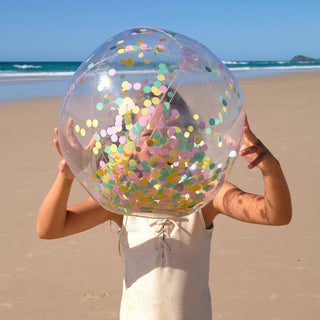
(163, 140)
(224, 102)
(99, 106)
(180, 146)
(119, 101)
(208, 130)
(165, 112)
(166, 105)
(170, 94)
(157, 84)
(147, 89)
(212, 122)
(122, 76)
(157, 135)
(90, 65)
(97, 137)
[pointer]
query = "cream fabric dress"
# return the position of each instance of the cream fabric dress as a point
(166, 268)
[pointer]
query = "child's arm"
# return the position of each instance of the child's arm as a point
(273, 208)
(55, 220)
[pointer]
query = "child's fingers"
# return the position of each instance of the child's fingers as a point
(249, 136)
(56, 143)
(249, 150)
(256, 161)
(70, 133)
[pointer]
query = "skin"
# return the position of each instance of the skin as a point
(56, 220)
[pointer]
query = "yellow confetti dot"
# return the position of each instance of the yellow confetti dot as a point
(147, 61)
(155, 100)
(218, 72)
(77, 128)
(190, 128)
(187, 134)
(161, 77)
(113, 148)
(144, 182)
(95, 123)
(131, 174)
(196, 117)
(197, 139)
(150, 143)
(141, 54)
(135, 109)
(147, 103)
(89, 123)
(106, 96)
(83, 132)
(121, 50)
(93, 176)
(120, 41)
(139, 42)
(129, 148)
(132, 163)
(125, 84)
(127, 100)
(145, 111)
(98, 145)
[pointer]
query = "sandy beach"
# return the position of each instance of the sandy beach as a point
(257, 272)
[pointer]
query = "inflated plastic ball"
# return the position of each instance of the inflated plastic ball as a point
(151, 123)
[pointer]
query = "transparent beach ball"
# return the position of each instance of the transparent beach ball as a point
(151, 124)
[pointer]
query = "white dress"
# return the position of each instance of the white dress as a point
(166, 268)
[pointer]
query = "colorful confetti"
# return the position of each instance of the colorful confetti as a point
(156, 127)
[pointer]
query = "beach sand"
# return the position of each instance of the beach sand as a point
(257, 272)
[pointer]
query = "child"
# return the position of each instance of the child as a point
(167, 260)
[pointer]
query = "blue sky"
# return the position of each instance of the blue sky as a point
(234, 30)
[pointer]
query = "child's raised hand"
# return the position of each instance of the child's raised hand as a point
(81, 155)
(63, 166)
(255, 152)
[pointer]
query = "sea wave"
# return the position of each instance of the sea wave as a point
(21, 76)
(274, 68)
(26, 66)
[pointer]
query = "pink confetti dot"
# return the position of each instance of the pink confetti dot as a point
(103, 133)
(163, 89)
(114, 138)
(111, 130)
(160, 124)
(122, 140)
(112, 72)
(144, 46)
(204, 147)
(175, 113)
(145, 81)
(137, 86)
(143, 121)
(151, 109)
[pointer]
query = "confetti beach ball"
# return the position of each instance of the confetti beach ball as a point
(151, 124)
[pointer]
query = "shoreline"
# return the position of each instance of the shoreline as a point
(14, 90)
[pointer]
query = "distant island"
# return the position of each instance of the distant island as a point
(303, 58)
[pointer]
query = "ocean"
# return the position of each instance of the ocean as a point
(23, 80)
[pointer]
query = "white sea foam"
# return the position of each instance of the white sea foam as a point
(26, 66)
(21, 76)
